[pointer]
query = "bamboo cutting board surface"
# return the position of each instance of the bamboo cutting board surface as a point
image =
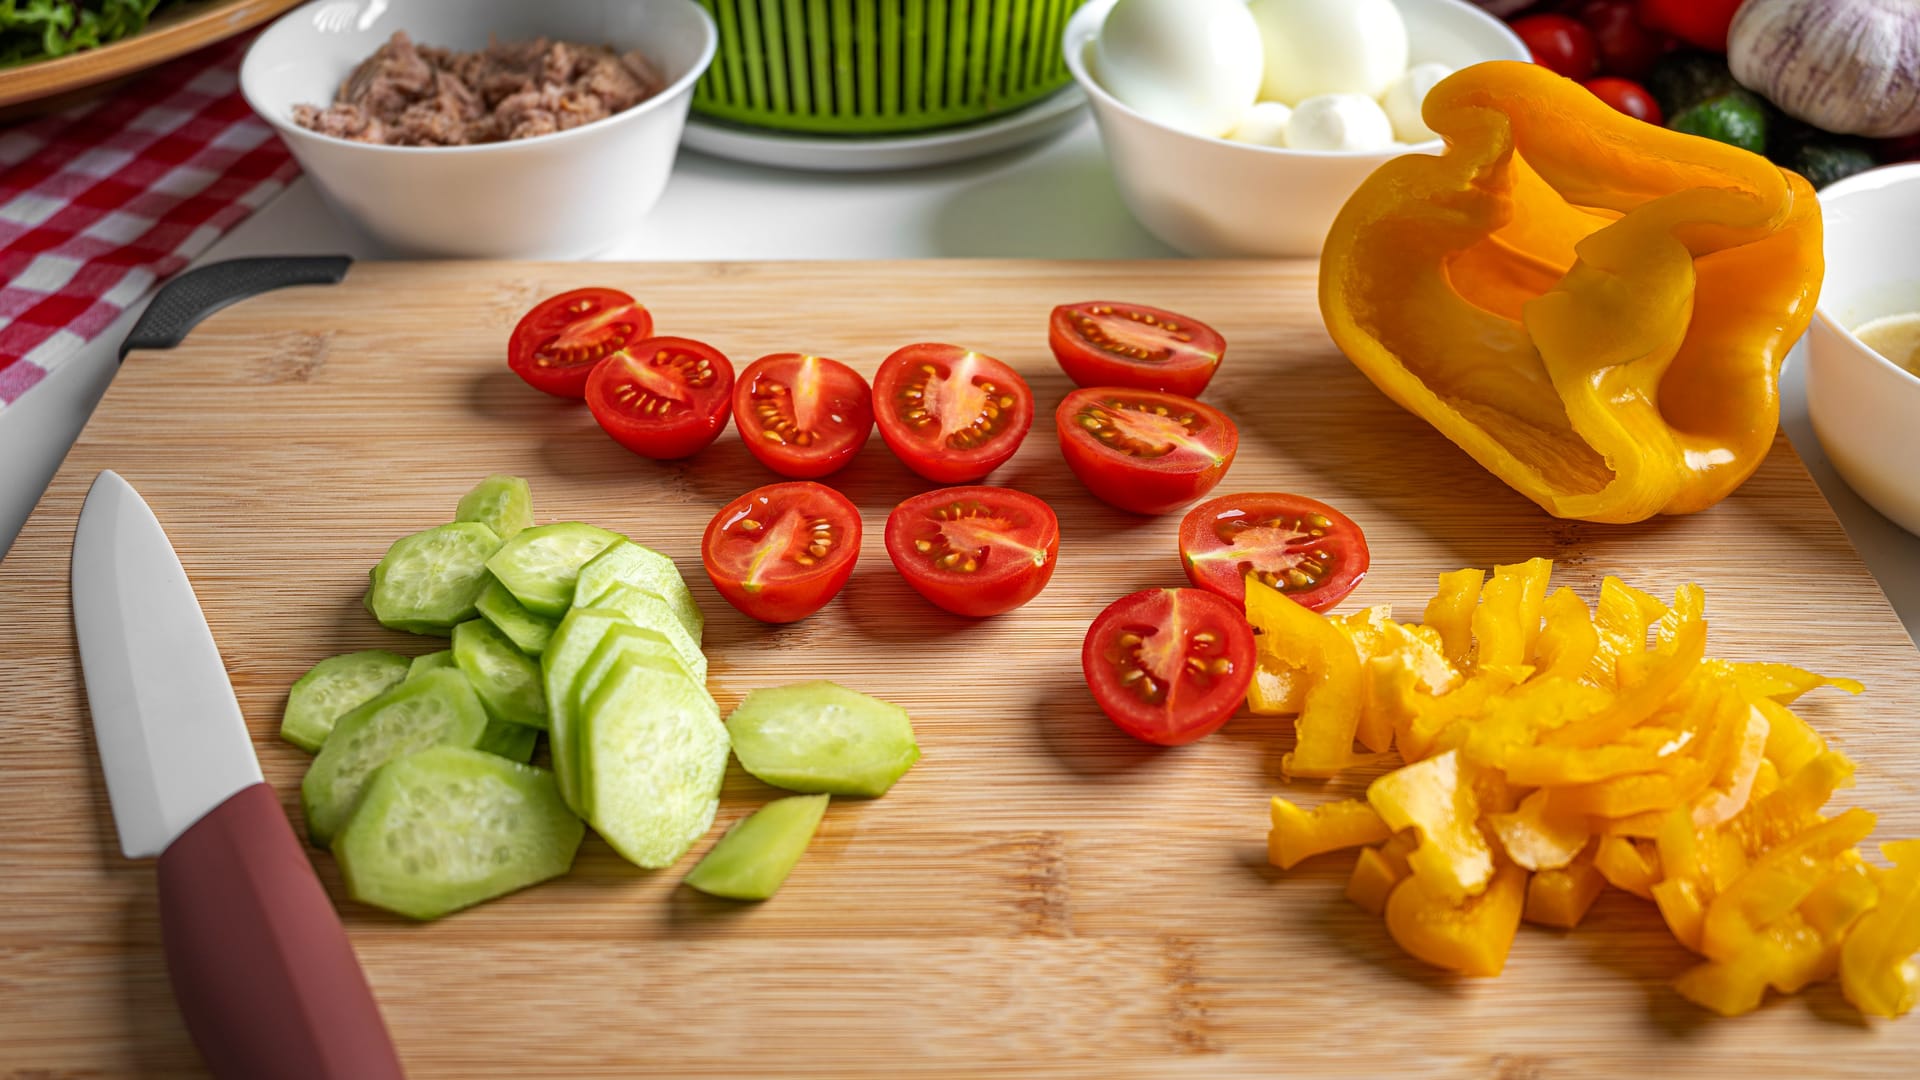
(1041, 895)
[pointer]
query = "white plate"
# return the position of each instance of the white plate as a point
(1043, 119)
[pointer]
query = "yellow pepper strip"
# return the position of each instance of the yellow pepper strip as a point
(1783, 683)
(1372, 881)
(1507, 621)
(1330, 711)
(1278, 688)
(1595, 309)
(1450, 612)
(1834, 905)
(1785, 813)
(1683, 780)
(1538, 838)
(1437, 797)
(1560, 898)
(1627, 866)
(1620, 622)
(1801, 946)
(1791, 744)
(1877, 970)
(1301, 834)
(1471, 935)
(1685, 887)
(1730, 791)
(1567, 643)
(1777, 883)
(1678, 659)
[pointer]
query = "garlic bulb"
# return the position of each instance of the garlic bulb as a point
(1849, 66)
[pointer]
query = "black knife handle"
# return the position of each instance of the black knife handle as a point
(181, 303)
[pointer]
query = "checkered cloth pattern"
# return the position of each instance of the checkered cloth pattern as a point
(99, 203)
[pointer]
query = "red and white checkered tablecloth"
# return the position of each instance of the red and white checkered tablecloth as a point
(99, 203)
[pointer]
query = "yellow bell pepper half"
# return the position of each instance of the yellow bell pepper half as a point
(1594, 308)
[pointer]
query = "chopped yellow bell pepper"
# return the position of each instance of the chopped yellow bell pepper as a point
(1791, 744)
(1877, 969)
(1278, 688)
(1594, 308)
(1372, 881)
(1620, 621)
(1437, 797)
(1330, 710)
(1450, 612)
(1507, 622)
(1568, 642)
(1301, 834)
(1777, 883)
(1537, 837)
(1560, 898)
(1783, 683)
(1627, 866)
(1471, 935)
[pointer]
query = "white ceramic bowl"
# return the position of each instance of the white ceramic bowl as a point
(1212, 197)
(1864, 407)
(563, 195)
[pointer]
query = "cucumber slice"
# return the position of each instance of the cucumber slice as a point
(755, 856)
(628, 563)
(511, 741)
(430, 581)
(507, 681)
(529, 632)
(540, 566)
(648, 648)
(821, 737)
(572, 646)
(433, 661)
(448, 827)
(437, 708)
(655, 752)
(644, 609)
(334, 687)
(501, 503)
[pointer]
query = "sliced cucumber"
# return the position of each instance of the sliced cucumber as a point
(334, 687)
(529, 632)
(437, 708)
(655, 752)
(644, 609)
(541, 565)
(501, 503)
(628, 563)
(507, 681)
(622, 641)
(433, 661)
(514, 742)
(821, 737)
(755, 856)
(431, 580)
(448, 827)
(573, 644)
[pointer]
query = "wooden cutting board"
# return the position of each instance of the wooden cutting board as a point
(1041, 895)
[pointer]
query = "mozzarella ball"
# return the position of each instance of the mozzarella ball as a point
(1404, 98)
(1264, 124)
(1339, 122)
(1316, 47)
(1190, 64)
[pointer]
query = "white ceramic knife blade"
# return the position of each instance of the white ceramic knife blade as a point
(172, 740)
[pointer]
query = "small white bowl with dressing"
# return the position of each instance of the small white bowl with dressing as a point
(1865, 406)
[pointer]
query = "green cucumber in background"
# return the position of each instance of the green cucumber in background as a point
(867, 67)
(33, 30)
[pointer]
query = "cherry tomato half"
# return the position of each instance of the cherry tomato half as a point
(1169, 665)
(950, 414)
(664, 397)
(1625, 47)
(1627, 96)
(802, 416)
(780, 552)
(555, 346)
(1142, 450)
(1101, 343)
(1561, 44)
(975, 551)
(1306, 549)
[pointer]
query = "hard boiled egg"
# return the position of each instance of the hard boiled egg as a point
(1404, 98)
(1316, 47)
(1339, 122)
(1265, 124)
(1190, 64)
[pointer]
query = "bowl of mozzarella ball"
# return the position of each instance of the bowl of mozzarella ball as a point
(1240, 127)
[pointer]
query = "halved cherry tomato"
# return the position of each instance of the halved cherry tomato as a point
(664, 397)
(1102, 343)
(555, 346)
(1169, 665)
(975, 551)
(1142, 450)
(1626, 96)
(951, 414)
(1305, 548)
(1562, 44)
(780, 552)
(802, 416)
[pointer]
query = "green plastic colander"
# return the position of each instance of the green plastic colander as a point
(866, 67)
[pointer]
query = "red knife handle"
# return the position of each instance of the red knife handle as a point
(260, 964)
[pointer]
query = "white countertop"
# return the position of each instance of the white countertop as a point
(1052, 201)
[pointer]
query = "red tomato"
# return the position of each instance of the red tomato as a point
(1169, 665)
(802, 416)
(975, 551)
(1308, 550)
(664, 398)
(780, 552)
(1101, 343)
(1142, 450)
(1625, 47)
(951, 414)
(1696, 22)
(1558, 43)
(1627, 96)
(555, 346)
